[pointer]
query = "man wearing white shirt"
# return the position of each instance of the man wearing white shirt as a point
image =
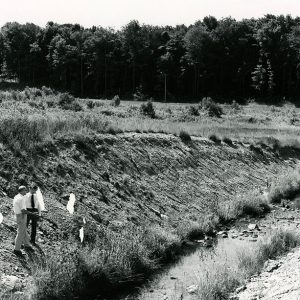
(21, 213)
(33, 205)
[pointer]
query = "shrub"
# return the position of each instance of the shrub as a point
(15, 95)
(90, 104)
(51, 102)
(47, 91)
(227, 141)
(184, 136)
(113, 130)
(214, 138)
(65, 99)
(193, 110)
(251, 205)
(169, 111)
(252, 120)
(68, 102)
(116, 100)
(235, 107)
(212, 108)
(147, 109)
(139, 95)
(285, 187)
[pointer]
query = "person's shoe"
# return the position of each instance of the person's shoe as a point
(18, 252)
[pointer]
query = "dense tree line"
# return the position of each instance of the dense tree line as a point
(227, 58)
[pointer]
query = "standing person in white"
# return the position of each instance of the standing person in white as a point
(21, 218)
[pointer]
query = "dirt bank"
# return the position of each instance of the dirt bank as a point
(128, 179)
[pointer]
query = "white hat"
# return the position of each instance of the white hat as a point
(21, 187)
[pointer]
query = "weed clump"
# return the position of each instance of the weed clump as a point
(47, 91)
(185, 137)
(32, 93)
(147, 109)
(214, 139)
(139, 95)
(251, 205)
(235, 107)
(213, 109)
(227, 141)
(68, 102)
(90, 104)
(116, 101)
(193, 111)
(285, 187)
(113, 130)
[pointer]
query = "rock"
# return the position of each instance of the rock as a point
(240, 289)
(252, 240)
(200, 241)
(222, 232)
(272, 267)
(225, 235)
(173, 278)
(40, 240)
(11, 282)
(253, 227)
(165, 217)
(192, 289)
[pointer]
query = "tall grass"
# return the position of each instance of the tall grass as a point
(285, 187)
(25, 131)
(114, 259)
(38, 115)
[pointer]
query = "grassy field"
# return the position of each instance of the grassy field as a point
(36, 116)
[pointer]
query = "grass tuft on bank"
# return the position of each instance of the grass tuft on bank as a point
(285, 187)
(112, 260)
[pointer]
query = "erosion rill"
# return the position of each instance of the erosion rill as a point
(123, 182)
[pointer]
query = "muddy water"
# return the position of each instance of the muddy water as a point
(173, 284)
(181, 279)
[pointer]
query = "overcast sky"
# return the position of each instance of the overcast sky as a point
(116, 13)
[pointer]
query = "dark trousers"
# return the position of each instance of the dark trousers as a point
(33, 220)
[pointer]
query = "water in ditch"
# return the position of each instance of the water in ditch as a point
(181, 281)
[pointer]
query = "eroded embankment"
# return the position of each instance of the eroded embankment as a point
(147, 180)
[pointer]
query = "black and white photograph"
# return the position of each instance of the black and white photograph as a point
(150, 150)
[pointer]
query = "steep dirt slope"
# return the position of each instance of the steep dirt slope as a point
(129, 178)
